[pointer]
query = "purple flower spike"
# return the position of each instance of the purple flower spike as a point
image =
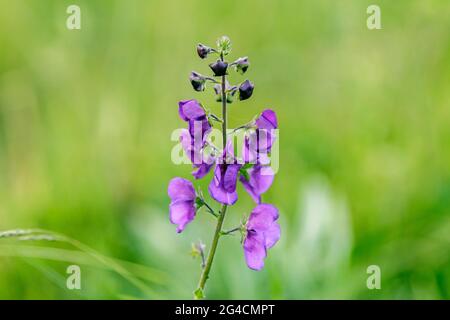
(260, 179)
(263, 232)
(182, 205)
(252, 168)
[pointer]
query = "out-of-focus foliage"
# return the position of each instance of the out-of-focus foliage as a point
(85, 124)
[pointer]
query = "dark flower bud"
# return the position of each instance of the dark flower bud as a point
(246, 90)
(203, 51)
(219, 68)
(231, 93)
(197, 81)
(218, 91)
(241, 65)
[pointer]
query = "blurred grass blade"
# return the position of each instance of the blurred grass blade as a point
(84, 255)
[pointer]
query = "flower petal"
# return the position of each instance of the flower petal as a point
(265, 140)
(198, 129)
(181, 189)
(194, 154)
(249, 148)
(272, 235)
(256, 146)
(219, 194)
(181, 213)
(260, 180)
(190, 110)
(230, 177)
(267, 120)
(185, 139)
(250, 190)
(218, 175)
(262, 217)
(228, 152)
(254, 250)
(202, 170)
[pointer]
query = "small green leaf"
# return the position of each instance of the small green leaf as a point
(199, 202)
(195, 253)
(212, 116)
(198, 294)
(224, 45)
(245, 174)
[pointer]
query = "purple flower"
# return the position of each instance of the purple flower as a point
(199, 129)
(258, 180)
(191, 110)
(193, 113)
(194, 139)
(182, 205)
(195, 151)
(267, 120)
(204, 168)
(266, 123)
(258, 143)
(263, 232)
(252, 150)
(223, 186)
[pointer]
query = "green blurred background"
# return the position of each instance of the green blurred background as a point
(85, 124)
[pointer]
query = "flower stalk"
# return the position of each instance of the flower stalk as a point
(198, 294)
(261, 230)
(224, 233)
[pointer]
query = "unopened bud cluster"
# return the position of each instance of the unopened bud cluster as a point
(220, 68)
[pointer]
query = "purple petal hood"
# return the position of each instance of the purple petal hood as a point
(182, 205)
(263, 232)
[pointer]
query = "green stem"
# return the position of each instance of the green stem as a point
(205, 273)
(210, 210)
(224, 233)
